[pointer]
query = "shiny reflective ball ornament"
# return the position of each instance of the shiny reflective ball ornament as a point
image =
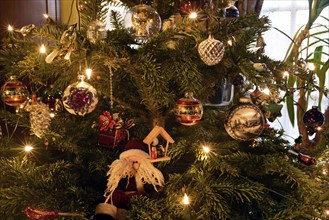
(143, 22)
(14, 92)
(211, 51)
(313, 119)
(96, 31)
(80, 98)
(188, 110)
(245, 121)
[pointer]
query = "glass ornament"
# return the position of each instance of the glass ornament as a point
(232, 11)
(40, 119)
(143, 22)
(245, 121)
(14, 92)
(313, 119)
(80, 98)
(188, 110)
(96, 31)
(211, 51)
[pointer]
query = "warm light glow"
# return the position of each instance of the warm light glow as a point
(311, 66)
(28, 148)
(46, 16)
(10, 28)
(88, 73)
(42, 49)
(206, 149)
(186, 199)
(285, 74)
(193, 15)
(52, 114)
(267, 91)
(229, 42)
(319, 128)
(324, 171)
(326, 212)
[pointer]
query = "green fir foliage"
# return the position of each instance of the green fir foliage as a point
(66, 171)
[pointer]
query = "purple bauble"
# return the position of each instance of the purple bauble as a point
(80, 98)
(313, 119)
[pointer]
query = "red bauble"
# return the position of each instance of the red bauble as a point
(14, 92)
(188, 110)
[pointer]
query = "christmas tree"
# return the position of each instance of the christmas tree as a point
(170, 90)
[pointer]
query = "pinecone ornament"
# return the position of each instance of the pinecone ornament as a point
(211, 51)
(40, 119)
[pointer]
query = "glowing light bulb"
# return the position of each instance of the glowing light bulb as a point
(206, 149)
(52, 114)
(267, 91)
(229, 42)
(326, 212)
(42, 49)
(311, 66)
(285, 74)
(28, 148)
(186, 200)
(10, 28)
(193, 15)
(88, 73)
(46, 16)
(319, 128)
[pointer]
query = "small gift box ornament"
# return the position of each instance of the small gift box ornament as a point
(158, 141)
(113, 131)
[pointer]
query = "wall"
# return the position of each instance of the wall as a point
(66, 7)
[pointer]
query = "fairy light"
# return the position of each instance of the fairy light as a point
(206, 149)
(311, 66)
(52, 114)
(285, 74)
(42, 49)
(10, 28)
(88, 73)
(186, 200)
(193, 15)
(319, 128)
(267, 91)
(326, 212)
(229, 42)
(28, 148)
(46, 16)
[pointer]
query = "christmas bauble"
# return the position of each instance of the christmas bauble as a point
(40, 119)
(143, 22)
(313, 118)
(211, 51)
(245, 121)
(14, 92)
(232, 11)
(188, 110)
(80, 98)
(96, 31)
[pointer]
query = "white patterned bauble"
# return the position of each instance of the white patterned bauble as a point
(211, 51)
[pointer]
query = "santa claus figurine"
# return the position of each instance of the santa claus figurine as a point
(126, 179)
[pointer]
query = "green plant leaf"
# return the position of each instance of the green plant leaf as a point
(290, 101)
(322, 76)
